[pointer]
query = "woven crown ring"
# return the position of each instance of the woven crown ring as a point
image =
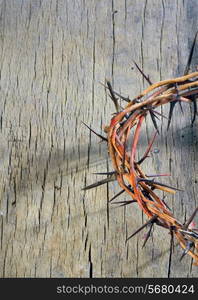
(122, 137)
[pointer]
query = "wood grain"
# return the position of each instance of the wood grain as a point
(53, 56)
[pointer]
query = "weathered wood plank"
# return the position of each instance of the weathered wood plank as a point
(53, 56)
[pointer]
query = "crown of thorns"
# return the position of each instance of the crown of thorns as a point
(122, 137)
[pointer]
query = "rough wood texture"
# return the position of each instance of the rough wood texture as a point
(53, 54)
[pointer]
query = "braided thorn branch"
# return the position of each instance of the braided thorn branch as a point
(128, 123)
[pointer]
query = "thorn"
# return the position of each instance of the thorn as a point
(194, 101)
(146, 77)
(96, 184)
(191, 218)
(161, 115)
(123, 98)
(170, 253)
(189, 245)
(115, 100)
(158, 175)
(154, 113)
(190, 233)
(118, 194)
(178, 98)
(117, 94)
(190, 55)
(124, 203)
(180, 105)
(148, 235)
(168, 186)
(172, 106)
(99, 135)
(152, 220)
(153, 120)
(152, 182)
(165, 204)
(105, 173)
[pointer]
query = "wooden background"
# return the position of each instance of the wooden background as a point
(53, 56)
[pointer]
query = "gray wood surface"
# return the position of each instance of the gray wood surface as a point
(53, 56)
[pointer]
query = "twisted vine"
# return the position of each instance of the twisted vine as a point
(122, 138)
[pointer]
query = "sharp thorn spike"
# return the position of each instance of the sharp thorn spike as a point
(157, 113)
(190, 55)
(153, 219)
(154, 113)
(123, 98)
(191, 218)
(168, 186)
(115, 100)
(124, 203)
(147, 235)
(189, 245)
(118, 194)
(117, 94)
(178, 98)
(158, 175)
(154, 120)
(194, 101)
(180, 105)
(190, 233)
(145, 77)
(170, 253)
(96, 184)
(166, 204)
(152, 182)
(105, 173)
(172, 105)
(99, 135)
